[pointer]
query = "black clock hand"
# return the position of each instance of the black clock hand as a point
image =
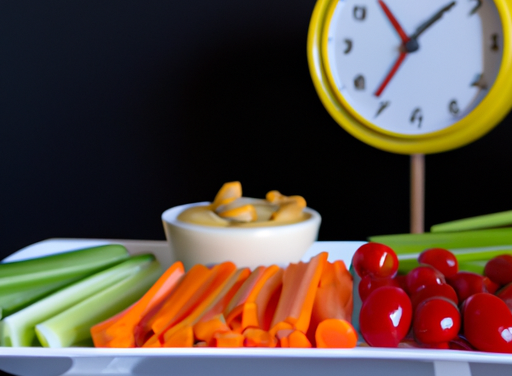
(412, 45)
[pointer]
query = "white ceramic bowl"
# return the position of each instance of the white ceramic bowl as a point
(246, 247)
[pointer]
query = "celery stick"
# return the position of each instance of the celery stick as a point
(416, 243)
(474, 223)
(13, 300)
(470, 259)
(473, 266)
(73, 326)
(18, 328)
(61, 266)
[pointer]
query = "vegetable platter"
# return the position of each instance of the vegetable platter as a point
(362, 360)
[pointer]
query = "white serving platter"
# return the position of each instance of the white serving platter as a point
(31, 361)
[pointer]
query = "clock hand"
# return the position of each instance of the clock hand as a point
(412, 45)
(405, 39)
(391, 73)
(409, 44)
(394, 22)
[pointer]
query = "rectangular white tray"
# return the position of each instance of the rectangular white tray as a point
(30, 361)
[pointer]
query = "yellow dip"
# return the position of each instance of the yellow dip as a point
(230, 209)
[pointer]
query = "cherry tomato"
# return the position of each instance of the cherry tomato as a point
(490, 286)
(421, 276)
(499, 269)
(436, 321)
(385, 317)
(466, 284)
(376, 260)
(441, 259)
(505, 294)
(433, 291)
(487, 323)
(368, 284)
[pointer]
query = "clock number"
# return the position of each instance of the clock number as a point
(495, 46)
(359, 13)
(475, 9)
(383, 106)
(454, 107)
(348, 42)
(417, 117)
(479, 82)
(359, 82)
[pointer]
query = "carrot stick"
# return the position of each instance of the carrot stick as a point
(205, 329)
(225, 280)
(335, 333)
(300, 283)
(228, 339)
(179, 300)
(235, 305)
(182, 338)
(219, 275)
(251, 302)
(333, 299)
(255, 337)
(221, 305)
(279, 327)
(118, 330)
(295, 339)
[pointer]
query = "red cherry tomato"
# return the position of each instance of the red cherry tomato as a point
(490, 286)
(505, 294)
(499, 269)
(421, 276)
(433, 291)
(436, 321)
(385, 317)
(466, 284)
(376, 260)
(441, 259)
(368, 284)
(487, 323)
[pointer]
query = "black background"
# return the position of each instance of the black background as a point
(113, 111)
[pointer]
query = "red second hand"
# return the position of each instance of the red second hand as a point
(394, 22)
(391, 74)
(401, 57)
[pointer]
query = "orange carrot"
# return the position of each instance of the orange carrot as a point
(221, 305)
(300, 283)
(333, 299)
(293, 338)
(250, 304)
(228, 339)
(222, 282)
(118, 330)
(279, 327)
(205, 329)
(218, 275)
(177, 304)
(335, 333)
(255, 337)
(182, 338)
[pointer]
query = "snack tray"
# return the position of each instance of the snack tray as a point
(369, 361)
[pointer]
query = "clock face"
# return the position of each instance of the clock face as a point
(411, 68)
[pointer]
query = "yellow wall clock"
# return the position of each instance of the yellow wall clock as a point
(413, 76)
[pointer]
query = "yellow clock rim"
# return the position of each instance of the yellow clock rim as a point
(484, 117)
